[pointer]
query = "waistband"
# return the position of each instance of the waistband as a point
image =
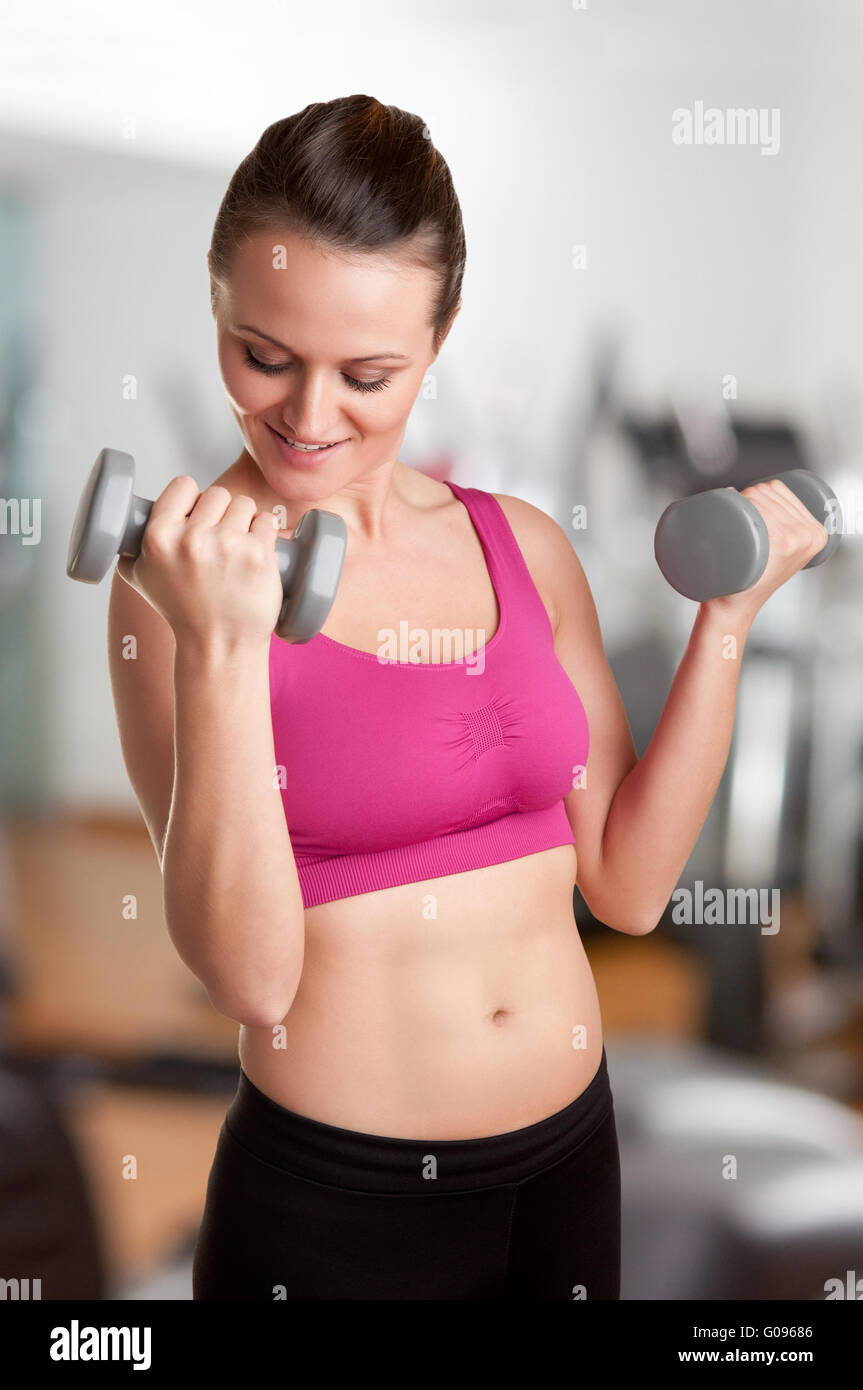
(353, 1159)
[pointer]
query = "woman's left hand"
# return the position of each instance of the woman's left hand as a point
(794, 535)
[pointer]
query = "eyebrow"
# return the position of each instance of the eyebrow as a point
(395, 356)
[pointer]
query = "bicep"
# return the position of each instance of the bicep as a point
(141, 665)
(580, 651)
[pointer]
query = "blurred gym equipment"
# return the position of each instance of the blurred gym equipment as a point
(735, 1185)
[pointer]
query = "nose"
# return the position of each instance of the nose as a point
(309, 412)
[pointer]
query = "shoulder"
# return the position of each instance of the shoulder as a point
(548, 552)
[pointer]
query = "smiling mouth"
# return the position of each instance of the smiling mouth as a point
(303, 446)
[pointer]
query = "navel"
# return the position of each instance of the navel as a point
(500, 1016)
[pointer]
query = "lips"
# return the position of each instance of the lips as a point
(318, 443)
(302, 457)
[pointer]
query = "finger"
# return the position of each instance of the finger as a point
(767, 504)
(781, 494)
(210, 506)
(783, 497)
(779, 514)
(239, 513)
(266, 524)
(177, 499)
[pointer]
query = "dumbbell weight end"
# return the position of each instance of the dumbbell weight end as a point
(711, 544)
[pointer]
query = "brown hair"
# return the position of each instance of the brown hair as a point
(358, 177)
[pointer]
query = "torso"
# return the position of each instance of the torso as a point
(456, 1025)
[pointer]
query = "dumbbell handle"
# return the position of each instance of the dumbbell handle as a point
(139, 514)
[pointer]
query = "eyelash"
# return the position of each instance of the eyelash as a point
(356, 385)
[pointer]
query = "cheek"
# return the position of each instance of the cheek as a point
(382, 412)
(247, 391)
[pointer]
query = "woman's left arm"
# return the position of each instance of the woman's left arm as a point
(635, 820)
(657, 812)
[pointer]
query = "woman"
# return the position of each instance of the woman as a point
(423, 1106)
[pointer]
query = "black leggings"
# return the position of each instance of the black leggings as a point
(297, 1209)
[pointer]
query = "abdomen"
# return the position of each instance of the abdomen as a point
(451, 1008)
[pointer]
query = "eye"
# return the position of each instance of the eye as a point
(268, 367)
(273, 369)
(366, 385)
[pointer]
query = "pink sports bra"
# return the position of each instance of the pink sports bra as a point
(401, 770)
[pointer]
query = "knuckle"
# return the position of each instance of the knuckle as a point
(793, 538)
(817, 539)
(262, 528)
(193, 543)
(154, 542)
(226, 543)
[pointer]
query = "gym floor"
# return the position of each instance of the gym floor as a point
(92, 982)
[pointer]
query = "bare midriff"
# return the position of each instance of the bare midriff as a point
(451, 1008)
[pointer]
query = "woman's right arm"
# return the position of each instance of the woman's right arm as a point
(196, 731)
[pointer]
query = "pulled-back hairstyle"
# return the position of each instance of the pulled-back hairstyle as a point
(357, 177)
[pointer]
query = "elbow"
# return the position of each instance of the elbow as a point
(643, 926)
(252, 1009)
(636, 922)
(251, 1013)
(628, 918)
(642, 923)
(634, 926)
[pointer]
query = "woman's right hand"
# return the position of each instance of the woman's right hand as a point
(207, 564)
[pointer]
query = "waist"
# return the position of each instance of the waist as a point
(461, 1011)
(362, 1160)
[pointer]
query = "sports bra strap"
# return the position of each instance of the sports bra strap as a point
(508, 569)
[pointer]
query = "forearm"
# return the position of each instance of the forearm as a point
(232, 897)
(659, 808)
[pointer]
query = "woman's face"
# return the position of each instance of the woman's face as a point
(293, 329)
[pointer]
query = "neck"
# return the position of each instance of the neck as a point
(372, 506)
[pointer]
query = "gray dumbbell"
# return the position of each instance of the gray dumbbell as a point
(110, 521)
(716, 543)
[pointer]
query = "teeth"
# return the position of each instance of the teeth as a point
(304, 448)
